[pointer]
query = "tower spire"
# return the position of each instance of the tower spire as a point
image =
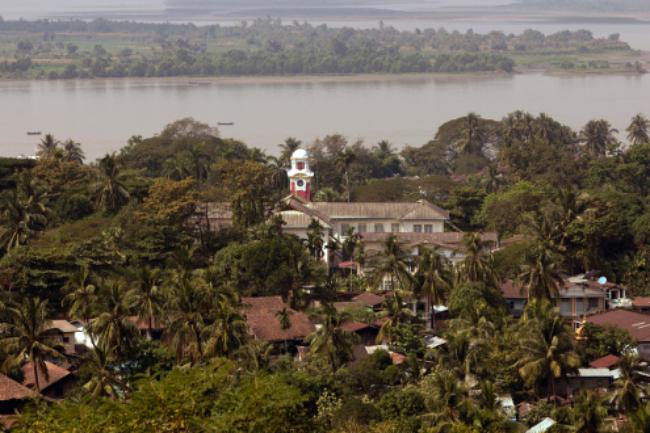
(300, 175)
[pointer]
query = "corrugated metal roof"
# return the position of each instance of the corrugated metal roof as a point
(543, 426)
(297, 220)
(393, 211)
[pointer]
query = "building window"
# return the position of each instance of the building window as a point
(66, 339)
(388, 285)
(565, 307)
(379, 228)
(580, 306)
(428, 228)
(394, 227)
(300, 165)
(593, 304)
(344, 229)
(363, 228)
(417, 228)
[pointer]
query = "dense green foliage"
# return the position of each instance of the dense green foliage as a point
(100, 48)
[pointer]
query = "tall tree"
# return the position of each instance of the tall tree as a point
(344, 160)
(478, 264)
(287, 148)
(540, 275)
(48, 147)
(598, 137)
(433, 278)
(112, 194)
(474, 135)
(73, 152)
(331, 341)
(637, 132)
(28, 337)
(146, 296)
(393, 266)
(228, 330)
(82, 297)
(23, 212)
(113, 326)
(629, 387)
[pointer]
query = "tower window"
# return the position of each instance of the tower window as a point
(300, 165)
(379, 228)
(300, 183)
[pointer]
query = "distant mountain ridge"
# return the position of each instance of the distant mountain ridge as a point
(591, 5)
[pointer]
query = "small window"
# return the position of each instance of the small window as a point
(379, 228)
(388, 285)
(363, 228)
(394, 228)
(300, 183)
(593, 304)
(417, 228)
(66, 339)
(580, 306)
(344, 229)
(300, 165)
(428, 228)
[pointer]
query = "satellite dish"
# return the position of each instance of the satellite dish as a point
(602, 280)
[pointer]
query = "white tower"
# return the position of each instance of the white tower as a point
(300, 175)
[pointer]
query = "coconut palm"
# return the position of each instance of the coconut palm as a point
(477, 266)
(396, 313)
(279, 178)
(343, 162)
(146, 296)
(73, 152)
(23, 211)
(27, 336)
(637, 132)
(104, 378)
(82, 297)
(433, 278)
(287, 148)
(598, 137)
(198, 162)
(392, 265)
(112, 194)
(186, 314)
(48, 147)
(589, 413)
(331, 341)
(175, 168)
(629, 389)
(228, 331)
(540, 276)
(640, 420)
(473, 134)
(545, 350)
(112, 325)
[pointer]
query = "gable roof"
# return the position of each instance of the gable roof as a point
(294, 219)
(352, 326)
(261, 315)
(369, 299)
(55, 374)
(606, 361)
(389, 210)
(12, 390)
(61, 325)
(637, 324)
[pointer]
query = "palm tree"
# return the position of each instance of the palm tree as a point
(433, 278)
(396, 313)
(104, 380)
(73, 152)
(392, 265)
(287, 148)
(279, 178)
(27, 336)
(598, 137)
(186, 311)
(112, 325)
(146, 297)
(477, 266)
(637, 132)
(545, 350)
(228, 332)
(48, 147)
(473, 135)
(640, 420)
(344, 160)
(540, 276)
(23, 211)
(82, 297)
(590, 413)
(331, 341)
(629, 390)
(111, 192)
(198, 161)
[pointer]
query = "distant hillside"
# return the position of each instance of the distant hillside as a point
(591, 5)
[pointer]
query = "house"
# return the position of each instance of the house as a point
(577, 298)
(264, 324)
(55, 384)
(607, 361)
(367, 333)
(64, 333)
(370, 300)
(414, 223)
(636, 324)
(641, 304)
(589, 379)
(13, 397)
(157, 327)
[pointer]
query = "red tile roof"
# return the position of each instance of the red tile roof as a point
(143, 325)
(261, 315)
(62, 325)
(369, 299)
(55, 374)
(607, 361)
(637, 324)
(354, 326)
(12, 390)
(641, 302)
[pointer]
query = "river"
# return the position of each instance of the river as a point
(103, 114)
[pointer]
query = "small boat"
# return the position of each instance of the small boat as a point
(226, 123)
(34, 133)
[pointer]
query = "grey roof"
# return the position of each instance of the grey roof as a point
(216, 210)
(294, 219)
(420, 210)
